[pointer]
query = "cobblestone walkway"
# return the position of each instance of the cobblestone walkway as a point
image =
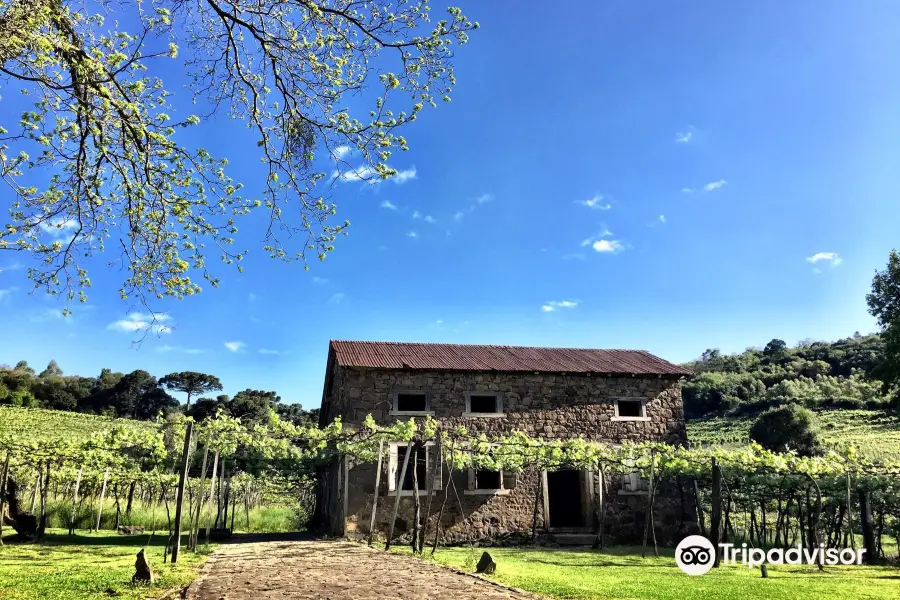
(333, 570)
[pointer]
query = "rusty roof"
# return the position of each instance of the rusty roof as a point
(465, 357)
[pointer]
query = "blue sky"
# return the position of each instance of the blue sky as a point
(665, 176)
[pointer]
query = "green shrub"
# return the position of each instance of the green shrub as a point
(789, 427)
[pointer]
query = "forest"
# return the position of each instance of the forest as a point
(138, 395)
(814, 374)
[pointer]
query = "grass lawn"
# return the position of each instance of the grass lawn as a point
(85, 566)
(622, 573)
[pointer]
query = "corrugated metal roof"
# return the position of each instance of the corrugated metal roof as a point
(460, 357)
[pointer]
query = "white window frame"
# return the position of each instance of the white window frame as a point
(473, 491)
(632, 483)
(643, 417)
(395, 466)
(497, 395)
(411, 413)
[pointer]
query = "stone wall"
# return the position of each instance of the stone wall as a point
(546, 405)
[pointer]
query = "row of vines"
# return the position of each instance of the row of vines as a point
(744, 494)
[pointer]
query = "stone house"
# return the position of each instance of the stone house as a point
(552, 393)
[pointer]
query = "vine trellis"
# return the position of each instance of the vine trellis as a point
(805, 496)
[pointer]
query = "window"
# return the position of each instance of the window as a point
(483, 404)
(630, 409)
(427, 461)
(411, 403)
(490, 483)
(416, 475)
(488, 480)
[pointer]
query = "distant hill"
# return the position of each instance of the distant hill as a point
(813, 373)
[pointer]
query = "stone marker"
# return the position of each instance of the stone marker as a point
(486, 565)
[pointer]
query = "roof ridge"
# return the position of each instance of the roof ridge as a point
(489, 346)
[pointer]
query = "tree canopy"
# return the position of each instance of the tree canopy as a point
(98, 162)
(191, 383)
(812, 373)
(884, 305)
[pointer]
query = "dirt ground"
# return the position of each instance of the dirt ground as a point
(320, 570)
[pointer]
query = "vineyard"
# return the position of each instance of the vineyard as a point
(874, 433)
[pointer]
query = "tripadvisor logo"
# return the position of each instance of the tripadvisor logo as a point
(695, 555)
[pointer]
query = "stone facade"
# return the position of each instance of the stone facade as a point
(546, 405)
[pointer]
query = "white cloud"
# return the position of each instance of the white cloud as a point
(142, 322)
(251, 297)
(267, 351)
(12, 267)
(341, 151)
(404, 176)
(439, 322)
(317, 279)
(7, 292)
(388, 205)
(235, 346)
(417, 215)
(368, 174)
(599, 202)
(609, 246)
(412, 234)
(830, 257)
(594, 238)
(683, 138)
(58, 227)
(336, 298)
(555, 305)
(459, 216)
(484, 198)
(574, 256)
(662, 218)
(430, 219)
(166, 349)
(709, 187)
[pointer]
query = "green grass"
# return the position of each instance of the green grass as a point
(621, 573)
(874, 432)
(83, 567)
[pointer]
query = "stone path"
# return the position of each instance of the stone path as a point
(332, 570)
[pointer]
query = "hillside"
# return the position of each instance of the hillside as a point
(813, 373)
(874, 432)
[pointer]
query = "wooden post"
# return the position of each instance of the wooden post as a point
(377, 486)
(345, 492)
(700, 518)
(850, 516)
(417, 521)
(75, 502)
(865, 518)
(195, 522)
(598, 541)
(397, 489)
(37, 486)
(179, 494)
(437, 526)
(102, 498)
(648, 518)
(45, 493)
(212, 492)
(716, 516)
(221, 497)
(3, 478)
(436, 468)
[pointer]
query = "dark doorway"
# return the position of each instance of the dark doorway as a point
(564, 498)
